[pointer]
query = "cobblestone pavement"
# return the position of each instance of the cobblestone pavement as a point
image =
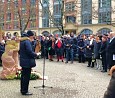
(68, 81)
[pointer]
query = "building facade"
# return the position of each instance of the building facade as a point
(51, 16)
(12, 11)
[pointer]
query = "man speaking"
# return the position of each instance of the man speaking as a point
(27, 61)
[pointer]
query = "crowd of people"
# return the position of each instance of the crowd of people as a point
(97, 50)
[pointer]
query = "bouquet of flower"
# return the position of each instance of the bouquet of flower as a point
(34, 75)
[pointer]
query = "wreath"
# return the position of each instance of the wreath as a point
(34, 75)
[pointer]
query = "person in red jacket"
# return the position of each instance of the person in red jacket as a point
(59, 48)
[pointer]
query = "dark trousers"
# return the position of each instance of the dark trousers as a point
(89, 61)
(104, 63)
(81, 58)
(44, 53)
(69, 54)
(25, 77)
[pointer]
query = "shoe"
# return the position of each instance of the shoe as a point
(62, 60)
(28, 93)
(50, 60)
(57, 60)
(71, 62)
(92, 66)
(88, 66)
(66, 62)
(103, 71)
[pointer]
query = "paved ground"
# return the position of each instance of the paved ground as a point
(68, 81)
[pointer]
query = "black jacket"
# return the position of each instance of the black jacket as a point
(110, 93)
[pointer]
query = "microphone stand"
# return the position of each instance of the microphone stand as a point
(43, 82)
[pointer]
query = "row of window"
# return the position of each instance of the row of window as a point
(104, 14)
(16, 25)
(84, 31)
(104, 11)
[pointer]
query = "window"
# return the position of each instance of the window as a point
(15, 3)
(33, 16)
(15, 16)
(71, 19)
(104, 11)
(2, 18)
(86, 11)
(57, 9)
(23, 11)
(45, 1)
(45, 12)
(2, 25)
(33, 23)
(23, 1)
(9, 16)
(104, 31)
(70, 6)
(57, 21)
(86, 32)
(8, 0)
(33, 2)
(45, 22)
(8, 25)
(16, 25)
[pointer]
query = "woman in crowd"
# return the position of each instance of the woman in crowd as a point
(59, 48)
(51, 46)
(97, 45)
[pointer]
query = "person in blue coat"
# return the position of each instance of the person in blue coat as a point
(27, 61)
(69, 44)
(2, 49)
(80, 46)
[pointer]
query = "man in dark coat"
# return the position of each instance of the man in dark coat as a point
(110, 93)
(69, 44)
(81, 56)
(89, 47)
(111, 50)
(27, 61)
(103, 49)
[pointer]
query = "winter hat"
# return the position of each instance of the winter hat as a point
(30, 33)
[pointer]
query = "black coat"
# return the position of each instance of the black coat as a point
(110, 93)
(97, 46)
(103, 48)
(110, 52)
(88, 51)
(27, 55)
(81, 44)
(2, 49)
(50, 49)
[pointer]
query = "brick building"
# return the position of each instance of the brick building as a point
(79, 16)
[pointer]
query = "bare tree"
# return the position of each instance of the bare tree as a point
(23, 11)
(58, 24)
(24, 15)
